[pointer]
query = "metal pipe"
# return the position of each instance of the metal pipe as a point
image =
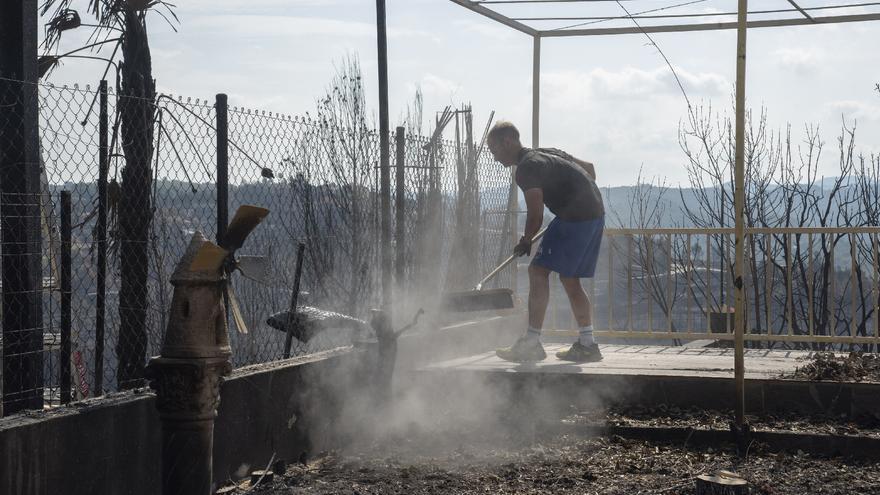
(739, 196)
(101, 227)
(711, 26)
(536, 111)
(384, 158)
(611, 284)
(400, 205)
(291, 315)
(536, 91)
(187, 376)
(722, 251)
(66, 317)
(222, 110)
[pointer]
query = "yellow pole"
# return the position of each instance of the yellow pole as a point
(738, 199)
(536, 90)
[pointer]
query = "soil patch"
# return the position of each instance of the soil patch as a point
(663, 416)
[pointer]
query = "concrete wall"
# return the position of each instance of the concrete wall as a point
(111, 445)
(286, 411)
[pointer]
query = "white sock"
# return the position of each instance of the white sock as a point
(586, 336)
(533, 334)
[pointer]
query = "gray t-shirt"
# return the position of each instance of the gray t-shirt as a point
(569, 192)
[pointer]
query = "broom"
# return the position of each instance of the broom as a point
(479, 299)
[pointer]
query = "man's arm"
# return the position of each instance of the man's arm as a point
(534, 212)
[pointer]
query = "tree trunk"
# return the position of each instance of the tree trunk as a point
(137, 110)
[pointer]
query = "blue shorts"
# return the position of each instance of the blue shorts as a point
(571, 249)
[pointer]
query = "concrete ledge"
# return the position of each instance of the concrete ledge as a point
(104, 445)
(586, 389)
(777, 441)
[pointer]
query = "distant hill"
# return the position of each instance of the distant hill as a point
(618, 203)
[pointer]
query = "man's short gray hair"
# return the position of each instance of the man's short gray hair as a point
(504, 129)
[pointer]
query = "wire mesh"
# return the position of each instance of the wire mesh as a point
(320, 181)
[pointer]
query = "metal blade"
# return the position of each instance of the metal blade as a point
(209, 258)
(237, 317)
(255, 268)
(243, 223)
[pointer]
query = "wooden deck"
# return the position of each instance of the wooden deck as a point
(641, 360)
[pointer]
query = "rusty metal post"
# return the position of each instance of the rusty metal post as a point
(291, 318)
(400, 207)
(384, 155)
(101, 228)
(221, 106)
(187, 375)
(386, 356)
(66, 315)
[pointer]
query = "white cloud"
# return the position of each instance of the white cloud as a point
(437, 88)
(279, 26)
(487, 29)
(798, 60)
(624, 118)
(631, 83)
(854, 110)
(251, 5)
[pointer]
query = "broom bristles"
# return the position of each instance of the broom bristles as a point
(478, 300)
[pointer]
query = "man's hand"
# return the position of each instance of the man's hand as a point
(523, 248)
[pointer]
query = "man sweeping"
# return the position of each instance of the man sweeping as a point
(570, 247)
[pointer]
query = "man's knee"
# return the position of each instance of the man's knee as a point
(571, 284)
(536, 271)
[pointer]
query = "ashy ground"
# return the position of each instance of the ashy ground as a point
(514, 449)
(474, 462)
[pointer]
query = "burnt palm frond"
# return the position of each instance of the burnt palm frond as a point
(109, 15)
(65, 20)
(46, 64)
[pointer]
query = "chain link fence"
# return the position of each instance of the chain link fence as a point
(320, 182)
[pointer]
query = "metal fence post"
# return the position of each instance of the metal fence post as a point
(21, 261)
(291, 318)
(66, 316)
(385, 172)
(400, 204)
(101, 227)
(222, 110)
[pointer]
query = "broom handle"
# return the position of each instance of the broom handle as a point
(506, 262)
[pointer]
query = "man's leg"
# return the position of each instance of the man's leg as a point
(528, 347)
(539, 295)
(585, 349)
(581, 305)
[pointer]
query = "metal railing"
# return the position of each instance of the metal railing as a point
(815, 287)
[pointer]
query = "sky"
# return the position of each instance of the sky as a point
(611, 100)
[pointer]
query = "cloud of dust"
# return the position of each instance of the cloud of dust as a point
(435, 410)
